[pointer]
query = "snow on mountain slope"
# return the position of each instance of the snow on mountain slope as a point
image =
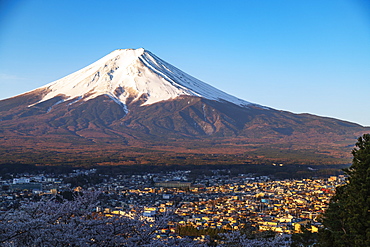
(129, 73)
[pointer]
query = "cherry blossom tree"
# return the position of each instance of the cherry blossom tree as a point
(237, 239)
(58, 222)
(74, 223)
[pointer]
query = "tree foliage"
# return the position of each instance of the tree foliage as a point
(73, 223)
(347, 219)
(237, 239)
(56, 222)
(304, 238)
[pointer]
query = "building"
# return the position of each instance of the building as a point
(173, 184)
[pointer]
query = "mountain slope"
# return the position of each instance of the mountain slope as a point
(126, 75)
(133, 99)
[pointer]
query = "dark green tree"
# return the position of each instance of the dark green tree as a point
(347, 219)
(304, 238)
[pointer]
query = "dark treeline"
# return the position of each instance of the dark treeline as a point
(275, 171)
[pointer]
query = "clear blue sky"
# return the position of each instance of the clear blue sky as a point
(301, 56)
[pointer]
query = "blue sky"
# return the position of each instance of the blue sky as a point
(300, 56)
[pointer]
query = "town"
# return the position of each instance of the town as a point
(217, 202)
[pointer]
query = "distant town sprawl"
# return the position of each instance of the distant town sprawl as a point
(218, 201)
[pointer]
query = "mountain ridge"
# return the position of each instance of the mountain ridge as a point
(130, 73)
(133, 99)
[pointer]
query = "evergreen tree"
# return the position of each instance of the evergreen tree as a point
(347, 219)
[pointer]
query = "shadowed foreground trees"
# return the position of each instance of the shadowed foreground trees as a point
(347, 219)
(57, 222)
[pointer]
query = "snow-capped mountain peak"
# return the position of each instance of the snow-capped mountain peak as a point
(132, 73)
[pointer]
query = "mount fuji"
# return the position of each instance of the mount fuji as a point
(131, 74)
(132, 100)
